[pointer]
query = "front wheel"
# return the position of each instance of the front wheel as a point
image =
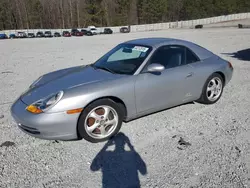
(212, 89)
(100, 120)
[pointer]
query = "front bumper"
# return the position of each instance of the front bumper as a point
(48, 126)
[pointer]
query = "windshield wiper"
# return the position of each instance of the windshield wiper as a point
(104, 68)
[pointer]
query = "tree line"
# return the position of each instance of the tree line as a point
(39, 14)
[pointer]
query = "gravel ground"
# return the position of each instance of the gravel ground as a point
(192, 145)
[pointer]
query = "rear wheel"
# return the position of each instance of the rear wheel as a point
(212, 89)
(100, 120)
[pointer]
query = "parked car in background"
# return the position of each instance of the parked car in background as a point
(3, 36)
(48, 34)
(86, 32)
(12, 36)
(93, 31)
(76, 32)
(39, 34)
(21, 35)
(198, 26)
(66, 34)
(107, 31)
(57, 34)
(124, 30)
(31, 35)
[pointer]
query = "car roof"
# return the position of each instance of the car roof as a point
(156, 42)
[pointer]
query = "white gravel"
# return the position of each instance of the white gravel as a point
(219, 154)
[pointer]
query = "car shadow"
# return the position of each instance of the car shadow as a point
(243, 55)
(119, 167)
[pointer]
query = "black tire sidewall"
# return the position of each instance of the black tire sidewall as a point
(80, 125)
(204, 99)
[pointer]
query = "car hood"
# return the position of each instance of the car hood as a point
(64, 79)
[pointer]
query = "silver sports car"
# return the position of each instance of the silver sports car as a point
(135, 78)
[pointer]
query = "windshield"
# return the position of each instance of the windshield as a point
(123, 59)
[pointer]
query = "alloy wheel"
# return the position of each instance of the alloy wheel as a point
(214, 89)
(101, 122)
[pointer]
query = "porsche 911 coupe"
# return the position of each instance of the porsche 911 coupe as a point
(134, 79)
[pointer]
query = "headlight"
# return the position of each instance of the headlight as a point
(45, 104)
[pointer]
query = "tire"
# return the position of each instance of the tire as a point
(96, 108)
(204, 99)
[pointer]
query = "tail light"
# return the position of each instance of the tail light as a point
(230, 65)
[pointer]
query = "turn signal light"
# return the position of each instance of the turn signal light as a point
(33, 109)
(75, 111)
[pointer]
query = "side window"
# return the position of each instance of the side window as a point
(190, 57)
(169, 56)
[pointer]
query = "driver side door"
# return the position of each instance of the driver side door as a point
(171, 87)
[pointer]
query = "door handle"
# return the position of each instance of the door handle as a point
(190, 74)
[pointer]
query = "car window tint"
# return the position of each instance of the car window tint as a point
(190, 57)
(169, 56)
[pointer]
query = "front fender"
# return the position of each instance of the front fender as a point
(80, 97)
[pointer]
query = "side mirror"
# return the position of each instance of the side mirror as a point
(155, 67)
